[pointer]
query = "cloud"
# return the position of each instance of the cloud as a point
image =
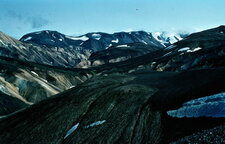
(14, 14)
(37, 22)
(34, 21)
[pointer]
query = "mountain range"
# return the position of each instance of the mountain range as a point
(68, 51)
(126, 87)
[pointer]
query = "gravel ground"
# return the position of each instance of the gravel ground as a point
(215, 135)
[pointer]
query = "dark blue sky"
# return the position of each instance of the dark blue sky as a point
(74, 17)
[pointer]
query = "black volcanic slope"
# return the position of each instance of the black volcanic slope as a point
(116, 54)
(118, 108)
(10, 104)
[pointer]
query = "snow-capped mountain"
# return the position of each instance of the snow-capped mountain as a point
(68, 51)
(89, 43)
(92, 41)
(168, 38)
(100, 41)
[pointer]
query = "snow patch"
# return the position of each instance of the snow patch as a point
(194, 50)
(83, 38)
(157, 35)
(144, 42)
(96, 36)
(82, 43)
(95, 124)
(28, 38)
(3, 43)
(209, 106)
(123, 46)
(3, 89)
(71, 130)
(170, 47)
(108, 46)
(72, 86)
(34, 73)
(167, 37)
(60, 39)
(53, 36)
(115, 41)
(183, 49)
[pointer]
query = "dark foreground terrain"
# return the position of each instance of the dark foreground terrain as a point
(119, 108)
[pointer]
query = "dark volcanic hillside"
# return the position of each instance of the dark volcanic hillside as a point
(119, 108)
(199, 50)
(116, 54)
(10, 104)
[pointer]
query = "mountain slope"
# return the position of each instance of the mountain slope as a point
(10, 104)
(56, 49)
(204, 49)
(199, 50)
(116, 54)
(10, 47)
(119, 108)
(31, 83)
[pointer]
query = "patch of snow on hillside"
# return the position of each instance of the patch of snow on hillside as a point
(157, 35)
(115, 41)
(170, 47)
(108, 46)
(96, 36)
(34, 73)
(95, 124)
(83, 38)
(123, 46)
(183, 49)
(53, 36)
(71, 130)
(209, 106)
(72, 86)
(3, 89)
(173, 38)
(194, 50)
(3, 43)
(167, 37)
(28, 38)
(144, 42)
